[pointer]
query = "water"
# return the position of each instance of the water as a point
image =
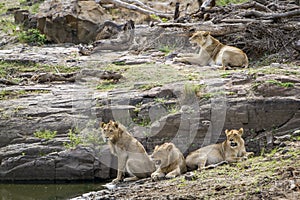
(46, 191)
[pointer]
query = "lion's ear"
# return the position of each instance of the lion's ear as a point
(169, 147)
(241, 131)
(206, 33)
(102, 124)
(226, 131)
(156, 147)
(116, 124)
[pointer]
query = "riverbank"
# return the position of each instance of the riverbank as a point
(274, 175)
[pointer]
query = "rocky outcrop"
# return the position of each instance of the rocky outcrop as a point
(189, 113)
(70, 21)
(49, 161)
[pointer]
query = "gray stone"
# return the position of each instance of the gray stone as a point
(70, 21)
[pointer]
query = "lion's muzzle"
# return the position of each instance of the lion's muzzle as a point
(233, 144)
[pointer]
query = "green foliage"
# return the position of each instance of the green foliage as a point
(74, 137)
(145, 122)
(155, 17)
(165, 49)
(225, 2)
(172, 109)
(45, 134)
(32, 37)
(7, 26)
(281, 84)
(191, 89)
(10, 94)
(226, 75)
(11, 68)
(106, 85)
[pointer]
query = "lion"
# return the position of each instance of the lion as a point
(230, 151)
(213, 53)
(132, 157)
(169, 161)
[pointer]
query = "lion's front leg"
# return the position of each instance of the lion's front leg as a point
(188, 58)
(122, 159)
(174, 173)
(233, 159)
(158, 174)
(247, 155)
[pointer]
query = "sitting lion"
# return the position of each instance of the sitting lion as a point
(213, 52)
(132, 157)
(231, 150)
(169, 161)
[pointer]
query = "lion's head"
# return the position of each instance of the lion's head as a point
(234, 138)
(200, 37)
(161, 154)
(110, 131)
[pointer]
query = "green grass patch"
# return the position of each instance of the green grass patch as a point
(142, 76)
(45, 134)
(7, 26)
(10, 94)
(165, 49)
(281, 84)
(225, 2)
(11, 69)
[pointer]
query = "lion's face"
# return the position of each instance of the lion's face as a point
(161, 154)
(199, 37)
(110, 131)
(234, 137)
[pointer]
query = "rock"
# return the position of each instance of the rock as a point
(296, 133)
(45, 163)
(281, 139)
(25, 18)
(70, 21)
(190, 176)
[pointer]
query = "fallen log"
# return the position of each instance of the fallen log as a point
(50, 77)
(274, 16)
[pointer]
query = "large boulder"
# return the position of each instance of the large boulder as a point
(70, 21)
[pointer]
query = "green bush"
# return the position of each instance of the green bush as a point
(46, 134)
(74, 138)
(32, 37)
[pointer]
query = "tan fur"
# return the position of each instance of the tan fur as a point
(132, 157)
(169, 161)
(216, 154)
(213, 53)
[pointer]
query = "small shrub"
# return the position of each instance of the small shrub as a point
(46, 134)
(74, 138)
(32, 37)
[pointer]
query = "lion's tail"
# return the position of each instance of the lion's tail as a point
(246, 64)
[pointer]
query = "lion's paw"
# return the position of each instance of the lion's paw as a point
(116, 181)
(156, 176)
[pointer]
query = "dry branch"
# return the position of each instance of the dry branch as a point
(215, 29)
(142, 10)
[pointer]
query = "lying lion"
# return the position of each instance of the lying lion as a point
(231, 150)
(132, 157)
(213, 53)
(169, 161)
